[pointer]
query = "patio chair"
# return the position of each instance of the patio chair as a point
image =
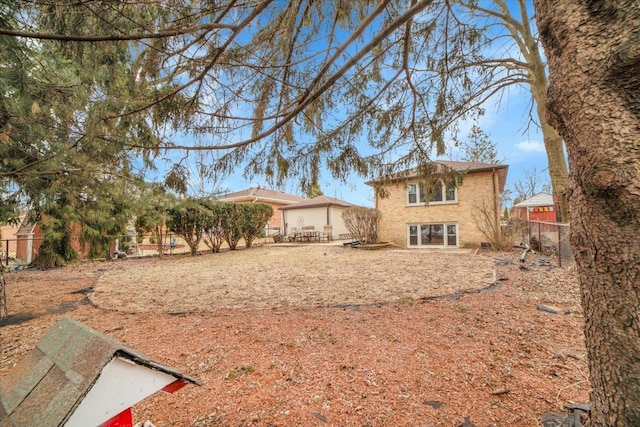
(294, 234)
(326, 234)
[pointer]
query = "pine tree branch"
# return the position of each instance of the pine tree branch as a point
(116, 37)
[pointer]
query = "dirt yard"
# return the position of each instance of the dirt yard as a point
(326, 335)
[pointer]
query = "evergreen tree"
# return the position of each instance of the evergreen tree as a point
(219, 69)
(313, 190)
(62, 155)
(478, 147)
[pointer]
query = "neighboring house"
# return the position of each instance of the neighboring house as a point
(29, 239)
(317, 212)
(541, 235)
(276, 199)
(450, 218)
(77, 377)
(8, 246)
(536, 208)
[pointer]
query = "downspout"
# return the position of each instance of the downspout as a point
(496, 201)
(285, 231)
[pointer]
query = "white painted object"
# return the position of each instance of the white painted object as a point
(121, 384)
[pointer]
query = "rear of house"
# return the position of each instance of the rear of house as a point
(316, 212)
(451, 217)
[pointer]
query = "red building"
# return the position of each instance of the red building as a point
(537, 208)
(29, 238)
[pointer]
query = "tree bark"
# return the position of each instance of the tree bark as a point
(553, 144)
(593, 49)
(3, 295)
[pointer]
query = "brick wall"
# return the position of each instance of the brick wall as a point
(396, 215)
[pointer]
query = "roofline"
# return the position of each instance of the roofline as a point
(315, 205)
(526, 203)
(413, 175)
(253, 199)
(133, 355)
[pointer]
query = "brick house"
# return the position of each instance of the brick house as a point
(276, 199)
(449, 218)
(30, 236)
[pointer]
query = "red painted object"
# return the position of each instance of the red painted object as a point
(123, 419)
(174, 386)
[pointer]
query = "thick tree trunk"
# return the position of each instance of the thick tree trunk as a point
(593, 48)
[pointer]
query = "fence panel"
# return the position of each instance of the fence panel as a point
(549, 238)
(8, 250)
(23, 251)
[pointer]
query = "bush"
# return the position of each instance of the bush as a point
(362, 223)
(212, 233)
(256, 216)
(188, 218)
(500, 239)
(232, 218)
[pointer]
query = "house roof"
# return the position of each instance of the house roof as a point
(258, 194)
(49, 384)
(468, 167)
(318, 201)
(540, 199)
(26, 227)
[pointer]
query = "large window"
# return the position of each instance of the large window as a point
(433, 235)
(416, 194)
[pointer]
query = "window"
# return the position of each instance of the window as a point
(412, 198)
(437, 194)
(416, 194)
(450, 195)
(433, 235)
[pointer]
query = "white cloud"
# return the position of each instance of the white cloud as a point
(531, 146)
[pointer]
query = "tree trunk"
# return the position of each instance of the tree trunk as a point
(47, 257)
(158, 232)
(557, 168)
(3, 295)
(593, 48)
(553, 144)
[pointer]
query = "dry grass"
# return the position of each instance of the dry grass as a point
(325, 335)
(279, 277)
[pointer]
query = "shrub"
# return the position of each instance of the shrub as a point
(187, 219)
(213, 233)
(500, 239)
(255, 218)
(232, 224)
(362, 223)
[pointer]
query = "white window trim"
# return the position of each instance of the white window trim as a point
(444, 224)
(418, 194)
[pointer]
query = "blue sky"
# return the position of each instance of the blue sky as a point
(518, 142)
(507, 122)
